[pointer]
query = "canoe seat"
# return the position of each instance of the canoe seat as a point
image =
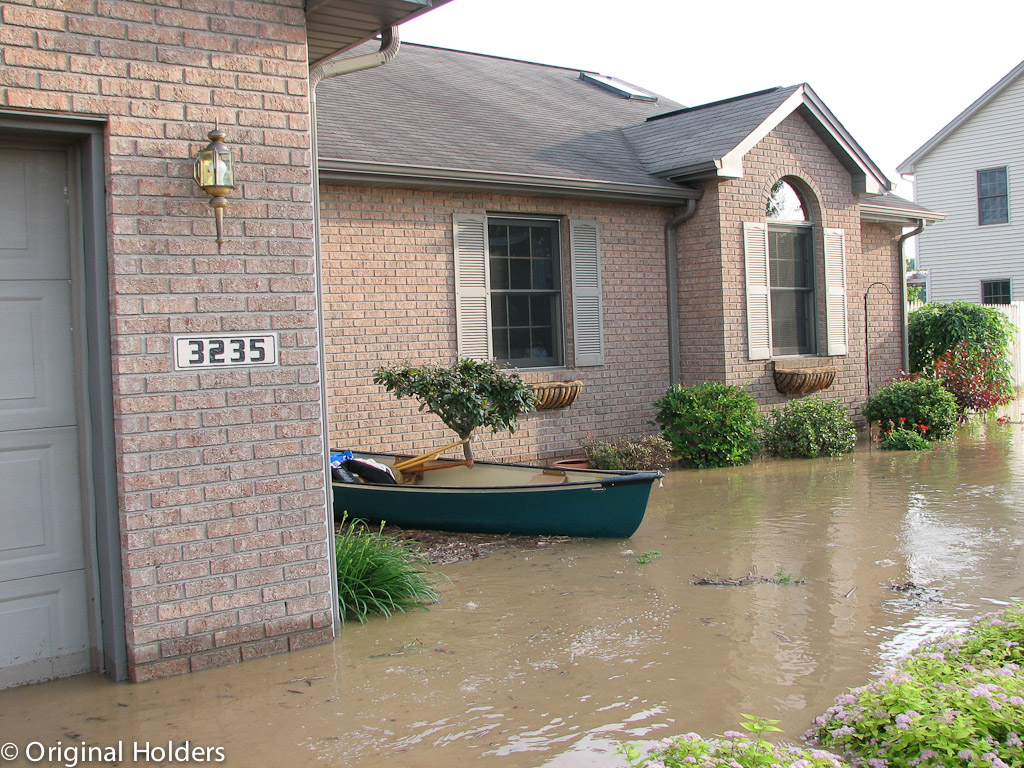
(550, 476)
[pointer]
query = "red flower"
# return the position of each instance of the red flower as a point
(903, 419)
(924, 427)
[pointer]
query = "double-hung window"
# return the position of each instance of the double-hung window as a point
(993, 201)
(510, 290)
(526, 291)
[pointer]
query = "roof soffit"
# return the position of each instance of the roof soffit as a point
(334, 26)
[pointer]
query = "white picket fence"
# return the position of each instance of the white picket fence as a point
(1015, 312)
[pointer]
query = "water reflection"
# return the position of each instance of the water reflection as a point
(551, 657)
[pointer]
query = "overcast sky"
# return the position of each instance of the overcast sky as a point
(893, 72)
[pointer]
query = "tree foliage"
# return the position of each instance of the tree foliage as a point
(466, 395)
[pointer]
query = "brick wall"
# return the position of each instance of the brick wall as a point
(389, 296)
(221, 496)
(793, 149)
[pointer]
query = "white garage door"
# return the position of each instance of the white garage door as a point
(44, 618)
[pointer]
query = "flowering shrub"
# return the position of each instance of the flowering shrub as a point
(710, 424)
(904, 437)
(920, 400)
(977, 377)
(808, 428)
(956, 702)
(733, 750)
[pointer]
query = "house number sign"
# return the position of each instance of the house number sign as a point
(224, 351)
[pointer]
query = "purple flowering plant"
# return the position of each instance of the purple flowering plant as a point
(957, 702)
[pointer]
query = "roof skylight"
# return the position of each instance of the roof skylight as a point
(618, 87)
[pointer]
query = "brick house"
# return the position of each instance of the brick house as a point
(581, 228)
(160, 518)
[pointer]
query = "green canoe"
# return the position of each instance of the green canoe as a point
(502, 498)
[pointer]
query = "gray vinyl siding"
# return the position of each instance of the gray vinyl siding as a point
(958, 252)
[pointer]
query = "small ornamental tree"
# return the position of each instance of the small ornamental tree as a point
(466, 395)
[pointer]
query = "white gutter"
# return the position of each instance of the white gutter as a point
(389, 45)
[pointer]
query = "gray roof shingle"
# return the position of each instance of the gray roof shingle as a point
(692, 137)
(449, 109)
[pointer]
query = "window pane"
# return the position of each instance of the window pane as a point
(497, 241)
(500, 340)
(992, 182)
(518, 310)
(541, 342)
(519, 242)
(543, 242)
(519, 274)
(519, 343)
(499, 311)
(499, 273)
(785, 203)
(540, 310)
(789, 259)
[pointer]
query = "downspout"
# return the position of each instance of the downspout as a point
(389, 44)
(901, 240)
(672, 275)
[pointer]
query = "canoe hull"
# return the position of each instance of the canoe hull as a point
(585, 504)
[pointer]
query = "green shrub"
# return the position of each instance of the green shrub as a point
(936, 328)
(710, 424)
(379, 573)
(733, 750)
(901, 437)
(809, 428)
(651, 453)
(956, 702)
(918, 400)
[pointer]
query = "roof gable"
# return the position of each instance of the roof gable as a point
(907, 166)
(711, 140)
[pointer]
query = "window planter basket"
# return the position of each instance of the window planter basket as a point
(556, 394)
(793, 379)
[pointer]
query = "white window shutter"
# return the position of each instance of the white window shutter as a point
(587, 310)
(472, 280)
(759, 299)
(836, 326)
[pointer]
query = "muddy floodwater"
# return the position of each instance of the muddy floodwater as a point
(551, 657)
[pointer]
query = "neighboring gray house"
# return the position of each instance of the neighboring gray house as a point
(973, 171)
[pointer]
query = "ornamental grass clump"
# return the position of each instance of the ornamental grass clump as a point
(710, 424)
(956, 702)
(732, 750)
(379, 574)
(808, 428)
(650, 453)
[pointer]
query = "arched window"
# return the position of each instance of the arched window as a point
(791, 272)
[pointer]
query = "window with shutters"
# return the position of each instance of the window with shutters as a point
(784, 303)
(510, 290)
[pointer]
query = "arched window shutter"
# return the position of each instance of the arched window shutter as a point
(835, 292)
(472, 304)
(587, 310)
(759, 306)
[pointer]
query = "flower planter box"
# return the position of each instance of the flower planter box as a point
(556, 394)
(800, 378)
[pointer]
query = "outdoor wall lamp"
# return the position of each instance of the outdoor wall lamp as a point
(215, 173)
